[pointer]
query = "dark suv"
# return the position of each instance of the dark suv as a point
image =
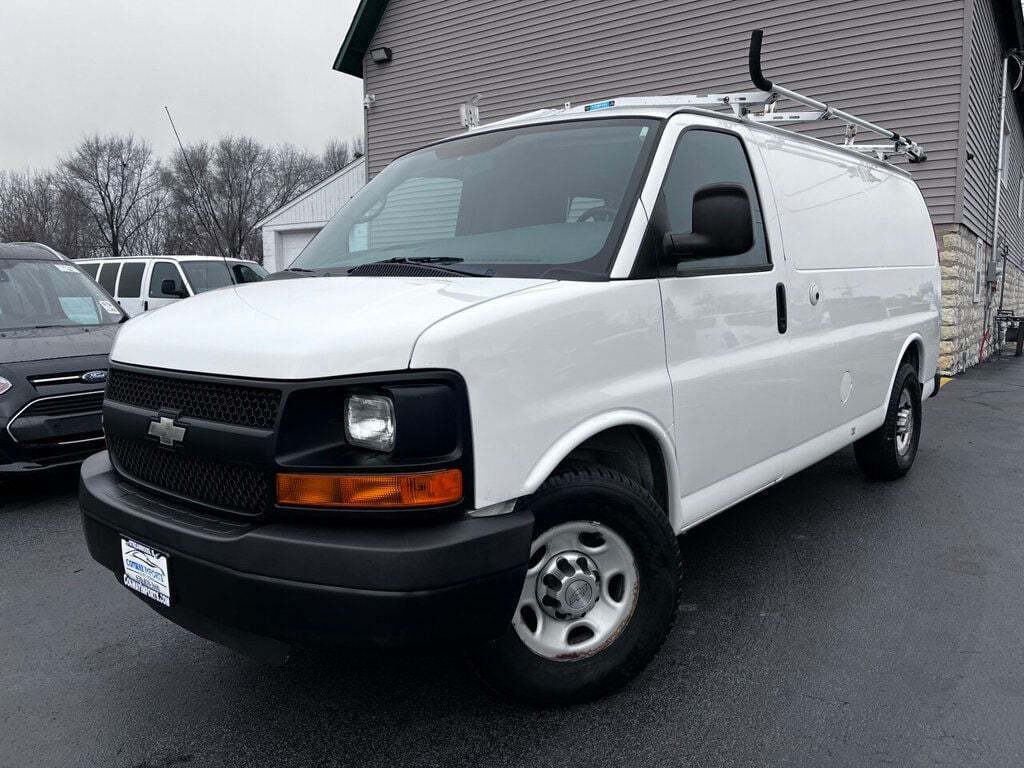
(56, 330)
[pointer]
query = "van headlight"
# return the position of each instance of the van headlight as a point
(4, 385)
(370, 422)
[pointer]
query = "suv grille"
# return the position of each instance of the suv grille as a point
(70, 405)
(245, 406)
(233, 487)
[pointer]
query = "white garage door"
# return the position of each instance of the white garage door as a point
(292, 242)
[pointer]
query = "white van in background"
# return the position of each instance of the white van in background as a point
(150, 282)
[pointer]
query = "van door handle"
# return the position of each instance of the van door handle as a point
(145, 306)
(780, 307)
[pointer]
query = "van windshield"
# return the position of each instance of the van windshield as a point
(206, 275)
(540, 201)
(51, 294)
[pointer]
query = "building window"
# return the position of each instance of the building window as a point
(1020, 195)
(979, 269)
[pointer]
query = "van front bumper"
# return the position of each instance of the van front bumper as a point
(260, 587)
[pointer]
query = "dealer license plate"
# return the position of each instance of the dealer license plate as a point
(145, 571)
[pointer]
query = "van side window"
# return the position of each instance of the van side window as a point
(701, 158)
(90, 269)
(108, 276)
(130, 284)
(164, 270)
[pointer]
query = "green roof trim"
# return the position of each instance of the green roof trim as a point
(360, 34)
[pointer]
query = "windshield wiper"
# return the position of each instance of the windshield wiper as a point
(442, 263)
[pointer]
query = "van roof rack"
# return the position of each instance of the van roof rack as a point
(756, 106)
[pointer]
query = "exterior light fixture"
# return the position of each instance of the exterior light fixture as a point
(380, 55)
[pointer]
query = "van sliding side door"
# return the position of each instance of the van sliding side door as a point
(728, 352)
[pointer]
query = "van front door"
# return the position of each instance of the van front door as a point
(166, 284)
(726, 347)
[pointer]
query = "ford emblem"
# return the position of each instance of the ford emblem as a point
(94, 377)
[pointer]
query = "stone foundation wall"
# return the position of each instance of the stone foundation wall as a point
(963, 319)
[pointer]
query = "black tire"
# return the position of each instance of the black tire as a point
(594, 493)
(877, 453)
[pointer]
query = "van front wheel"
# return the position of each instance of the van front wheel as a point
(600, 594)
(888, 452)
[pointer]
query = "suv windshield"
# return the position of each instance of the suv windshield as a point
(206, 275)
(541, 201)
(51, 294)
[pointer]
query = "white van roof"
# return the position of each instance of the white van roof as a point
(162, 256)
(660, 108)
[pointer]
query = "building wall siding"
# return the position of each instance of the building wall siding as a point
(524, 54)
(324, 202)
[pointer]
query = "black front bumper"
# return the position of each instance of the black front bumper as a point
(305, 583)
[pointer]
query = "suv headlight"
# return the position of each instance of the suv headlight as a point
(370, 422)
(4, 385)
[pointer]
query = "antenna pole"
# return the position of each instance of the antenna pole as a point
(201, 192)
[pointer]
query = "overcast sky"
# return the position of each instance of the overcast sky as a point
(257, 67)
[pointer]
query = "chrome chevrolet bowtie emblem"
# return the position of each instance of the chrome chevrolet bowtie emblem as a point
(166, 431)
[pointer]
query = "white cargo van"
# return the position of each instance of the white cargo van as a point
(489, 395)
(150, 282)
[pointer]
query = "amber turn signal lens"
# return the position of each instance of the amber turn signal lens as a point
(417, 489)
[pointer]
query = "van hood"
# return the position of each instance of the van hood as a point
(20, 346)
(308, 328)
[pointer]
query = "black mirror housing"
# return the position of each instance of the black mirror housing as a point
(171, 288)
(722, 225)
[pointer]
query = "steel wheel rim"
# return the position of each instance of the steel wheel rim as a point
(904, 423)
(617, 586)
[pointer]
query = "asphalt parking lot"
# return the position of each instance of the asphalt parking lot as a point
(828, 621)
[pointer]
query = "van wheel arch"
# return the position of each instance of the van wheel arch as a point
(913, 354)
(631, 450)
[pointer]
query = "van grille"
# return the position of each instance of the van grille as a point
(232, 487)
(238, 404)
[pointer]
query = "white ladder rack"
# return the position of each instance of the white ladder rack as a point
(758, 107)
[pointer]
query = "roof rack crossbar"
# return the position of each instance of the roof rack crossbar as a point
(756, 106)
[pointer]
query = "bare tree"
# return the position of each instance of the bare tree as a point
(33, 207)
(116, 182)
(336, 155)
(228, 186)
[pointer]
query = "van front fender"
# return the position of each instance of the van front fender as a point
(622, 417)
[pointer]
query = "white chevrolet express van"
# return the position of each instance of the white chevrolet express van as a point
(489, 395)
(150, 282)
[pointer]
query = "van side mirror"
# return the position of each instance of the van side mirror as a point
(722, 225)
(170, 287)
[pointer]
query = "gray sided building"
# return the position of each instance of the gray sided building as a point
(931, 69)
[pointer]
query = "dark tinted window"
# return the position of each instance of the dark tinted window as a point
(248, 273)
(206, 275)
(108, 276)
(164, 270)
(702, 158)
(130, 285)
(90, 269)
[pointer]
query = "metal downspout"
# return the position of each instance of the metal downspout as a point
(999, 199)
